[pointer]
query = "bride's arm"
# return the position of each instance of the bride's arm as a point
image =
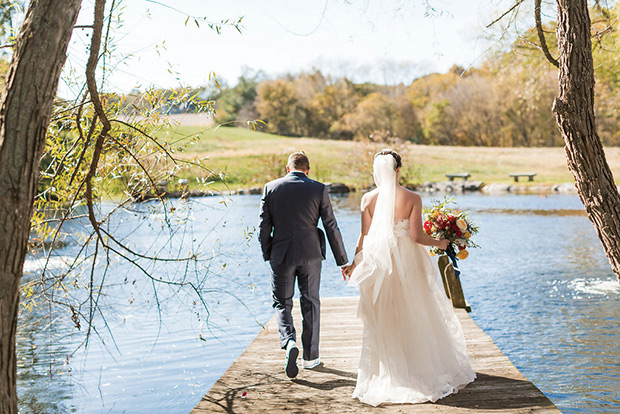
(415, 227)
(366, 220)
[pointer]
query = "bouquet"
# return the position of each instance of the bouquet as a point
(444, 221)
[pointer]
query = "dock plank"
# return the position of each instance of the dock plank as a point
(256, 382)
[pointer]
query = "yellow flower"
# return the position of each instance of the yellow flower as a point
(431, 253)
(467, 235)
(461, 224)
(462, 255)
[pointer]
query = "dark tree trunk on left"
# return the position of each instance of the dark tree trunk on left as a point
(25, 110)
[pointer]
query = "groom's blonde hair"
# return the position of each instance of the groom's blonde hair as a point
(298, 161)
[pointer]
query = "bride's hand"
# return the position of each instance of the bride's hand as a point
(443, 244)
(346, 272)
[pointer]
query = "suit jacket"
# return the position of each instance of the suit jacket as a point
(289, 214)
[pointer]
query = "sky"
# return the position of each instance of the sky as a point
(383, 41)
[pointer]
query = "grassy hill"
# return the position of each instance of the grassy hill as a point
(249, 158)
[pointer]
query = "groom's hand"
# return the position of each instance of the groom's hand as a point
(346, 271)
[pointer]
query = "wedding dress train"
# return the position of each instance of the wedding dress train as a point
(413, 347)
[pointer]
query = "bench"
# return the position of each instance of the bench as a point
(530, 176)
(464, 176)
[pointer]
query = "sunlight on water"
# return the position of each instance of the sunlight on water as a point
(595, 286)
(55, 262)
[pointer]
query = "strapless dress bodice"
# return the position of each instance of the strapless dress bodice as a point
(401, 228)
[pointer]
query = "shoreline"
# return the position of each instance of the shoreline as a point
(449, 187)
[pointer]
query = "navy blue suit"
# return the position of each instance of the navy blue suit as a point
(290, 240)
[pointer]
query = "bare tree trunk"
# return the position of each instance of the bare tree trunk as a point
(574, 111)
(25, 110)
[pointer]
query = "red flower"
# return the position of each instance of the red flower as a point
(461, 247)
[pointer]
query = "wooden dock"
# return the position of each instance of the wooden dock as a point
(256, 382)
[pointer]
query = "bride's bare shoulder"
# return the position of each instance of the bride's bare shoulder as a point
(411, 195)
(369, 198)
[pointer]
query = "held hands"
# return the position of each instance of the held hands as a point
(346, 271)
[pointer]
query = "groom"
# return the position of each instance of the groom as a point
(294, 246)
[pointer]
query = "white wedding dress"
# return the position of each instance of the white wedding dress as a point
(413, 347)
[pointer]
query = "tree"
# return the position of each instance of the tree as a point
(374, 112)
(574, 111)
(332, 104)
(93, 143)
(25, 110)
(236, 104)
(278, 105)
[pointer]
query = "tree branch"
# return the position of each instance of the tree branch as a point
(541, 35)
(91, 82)
(506, 13)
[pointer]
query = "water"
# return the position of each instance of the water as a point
(540, 286)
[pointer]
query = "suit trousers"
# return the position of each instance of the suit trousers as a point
(283, 288)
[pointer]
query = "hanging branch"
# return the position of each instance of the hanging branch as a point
(541, 35)
(506, 13)
(91, 83)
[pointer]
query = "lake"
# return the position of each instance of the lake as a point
(540, 286)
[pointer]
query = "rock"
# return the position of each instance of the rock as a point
(445, 187)
(565, 188)
(472, 185)
(337, 188)
(252, 190)
(201, 193)
(495, 188)
(448, 186)
(428, 187)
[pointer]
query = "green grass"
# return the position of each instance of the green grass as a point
(250, 158)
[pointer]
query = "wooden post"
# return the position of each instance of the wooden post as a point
(451, 284)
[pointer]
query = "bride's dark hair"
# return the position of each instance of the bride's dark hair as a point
(394, 154)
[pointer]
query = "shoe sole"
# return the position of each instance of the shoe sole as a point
(291, 363)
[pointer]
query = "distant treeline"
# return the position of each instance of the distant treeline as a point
(505, 101)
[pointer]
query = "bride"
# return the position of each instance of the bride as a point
(413, 349)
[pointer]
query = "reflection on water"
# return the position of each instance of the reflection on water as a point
(535, 212)
(540, 286)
